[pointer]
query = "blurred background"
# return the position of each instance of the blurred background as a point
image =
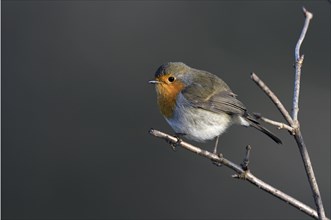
(76, 108)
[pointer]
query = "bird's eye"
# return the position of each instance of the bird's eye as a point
(171, 79)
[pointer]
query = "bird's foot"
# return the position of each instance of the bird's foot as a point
(178, 142)
(217, 163)
(242, 176)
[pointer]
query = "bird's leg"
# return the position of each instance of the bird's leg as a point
(216, 144)
(178, 136)
(215, 152)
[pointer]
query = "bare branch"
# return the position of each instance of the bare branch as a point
(279, 125)
(308, 16)
(295, 110)
(301, 145)
(298, 64)
(310, 174)
(293, 121)
(240, 172)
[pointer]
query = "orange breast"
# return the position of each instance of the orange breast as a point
(166, 97)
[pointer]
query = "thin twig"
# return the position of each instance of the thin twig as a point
(240, 172)
(279, 125)
(295, 110)
(310, 174)
(298, 64)
(273, 97)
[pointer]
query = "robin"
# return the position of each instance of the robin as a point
(199, 105)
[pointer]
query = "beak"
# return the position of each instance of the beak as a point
(154, 82)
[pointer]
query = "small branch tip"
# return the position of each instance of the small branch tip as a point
(307, 13)
(253, 75)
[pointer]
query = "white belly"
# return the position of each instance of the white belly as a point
(198, 124)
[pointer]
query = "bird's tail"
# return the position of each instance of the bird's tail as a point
(252, 122)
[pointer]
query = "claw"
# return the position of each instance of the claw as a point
(175, 145)
(219, 164)
(242, 176)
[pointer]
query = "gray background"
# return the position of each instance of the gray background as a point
(76, 108)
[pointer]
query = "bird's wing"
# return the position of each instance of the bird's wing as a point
(212, 94)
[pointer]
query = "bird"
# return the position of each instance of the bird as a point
(198, 104)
